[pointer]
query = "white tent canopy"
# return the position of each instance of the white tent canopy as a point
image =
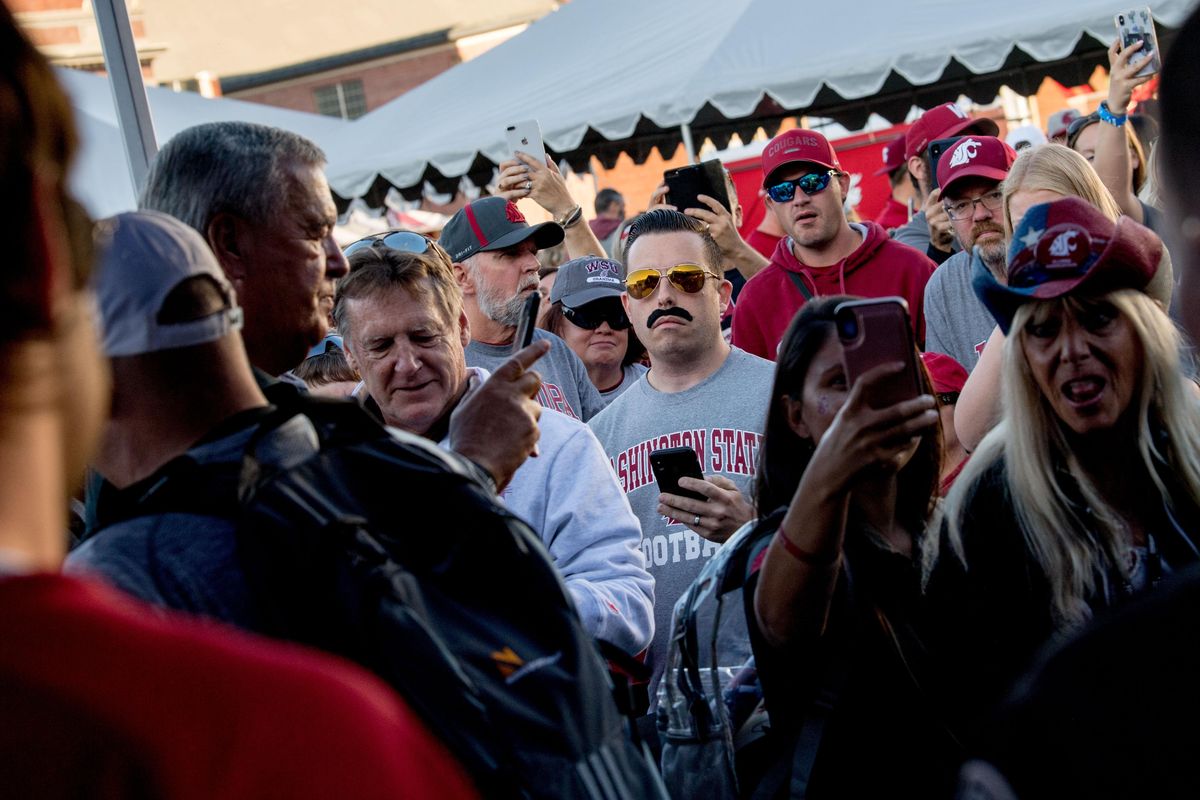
(622, 70)
(100, 178)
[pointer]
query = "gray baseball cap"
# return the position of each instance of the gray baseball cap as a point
(146, 255)
(493, 223)
(582, 280)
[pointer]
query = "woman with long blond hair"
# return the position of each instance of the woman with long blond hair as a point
(1040, 175)
(1085, 492)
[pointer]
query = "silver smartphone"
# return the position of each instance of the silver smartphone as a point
(526, 137)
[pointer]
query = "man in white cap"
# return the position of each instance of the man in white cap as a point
(185, 394)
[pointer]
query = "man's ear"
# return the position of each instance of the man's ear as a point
(919, 170)
(348, 349)
(725, 293)
(464, 328)
(462, 274)
(224, 235)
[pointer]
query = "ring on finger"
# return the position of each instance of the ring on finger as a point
(528, 185)
(696, 521)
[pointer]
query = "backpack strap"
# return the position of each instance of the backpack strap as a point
(800, 284)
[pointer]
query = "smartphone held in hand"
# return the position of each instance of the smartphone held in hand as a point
(526, 137)
(525, 328)
(673, 463)
(686, 184)
(1137, 25)
(875, 332)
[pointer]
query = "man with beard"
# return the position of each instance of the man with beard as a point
(956, 322)
(494, 251)
(823, 252)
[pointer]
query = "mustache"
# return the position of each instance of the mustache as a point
(673, 311)
(985, 227)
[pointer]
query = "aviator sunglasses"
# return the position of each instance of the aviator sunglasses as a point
(407, 241)
(684, 277)
(592, 315)
(810, 184)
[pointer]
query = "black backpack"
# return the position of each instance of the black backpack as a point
(388, 551)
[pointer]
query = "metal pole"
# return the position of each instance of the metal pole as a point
(688, 147)
(129, 92)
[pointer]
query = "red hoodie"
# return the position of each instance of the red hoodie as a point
(879, 267)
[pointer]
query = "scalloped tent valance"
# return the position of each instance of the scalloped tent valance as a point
(606, 77)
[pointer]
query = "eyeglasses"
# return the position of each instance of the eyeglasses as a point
(407, 241)
(684, 277)
(592, 315)
(965, 209)
(810, 184)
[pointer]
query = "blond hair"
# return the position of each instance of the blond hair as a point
(1077, 550)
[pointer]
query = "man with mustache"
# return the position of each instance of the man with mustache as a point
(701, 393)
(494, 251)
(970, 172)
(823, 252)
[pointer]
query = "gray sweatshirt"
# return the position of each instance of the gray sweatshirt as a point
(722, 419)
(956, 321)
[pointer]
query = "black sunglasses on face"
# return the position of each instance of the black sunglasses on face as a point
(591, 316)
(407, 241)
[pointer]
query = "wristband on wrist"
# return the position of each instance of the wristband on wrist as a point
(803, 556)
(571, 218)
(1116, 120)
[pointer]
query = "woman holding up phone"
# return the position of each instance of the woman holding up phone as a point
(833, 616)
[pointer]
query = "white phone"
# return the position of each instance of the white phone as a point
(1136, 26)
(526, 137)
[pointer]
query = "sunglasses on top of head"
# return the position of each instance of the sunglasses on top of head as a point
(407, 241)
(687, 278)
(810, 184)
(592, 315)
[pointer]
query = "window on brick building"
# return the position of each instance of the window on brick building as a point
(346, 100)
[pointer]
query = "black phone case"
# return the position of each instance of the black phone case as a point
(528, 323)
(673, 463)
(936, 148)
(685, 184)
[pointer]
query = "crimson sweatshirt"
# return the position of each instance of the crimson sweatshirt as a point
(879, 267)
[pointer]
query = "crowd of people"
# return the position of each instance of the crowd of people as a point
(979, 589)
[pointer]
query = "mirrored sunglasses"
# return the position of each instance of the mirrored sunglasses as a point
(684, 277)
(407, 241)
(592, 315)
(810, 184)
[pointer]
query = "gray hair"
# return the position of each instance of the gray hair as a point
(233, 167)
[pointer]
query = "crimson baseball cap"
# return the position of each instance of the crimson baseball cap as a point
(942, 122)
(493, 223)
(1061, 247)
(1060, 121)
(794, 147)
(974, 156)
(893, 156)
(946, 374)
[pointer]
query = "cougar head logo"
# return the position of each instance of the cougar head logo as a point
(1064, 244)
(965, 152)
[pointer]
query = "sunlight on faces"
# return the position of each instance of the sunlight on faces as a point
(409, 355)
(672, 337)
(980, 226)
(811, 220)
(602, 347)
(1086, 360)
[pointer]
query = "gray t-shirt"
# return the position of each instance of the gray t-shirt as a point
(565, 384)
(630, 375)
(722, 419)
(957, 323)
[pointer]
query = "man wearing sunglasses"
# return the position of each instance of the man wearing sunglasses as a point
(957, 324)
(823, 252)
(701, 393)
(930, 231)
(494, 251)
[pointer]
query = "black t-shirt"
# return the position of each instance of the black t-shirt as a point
(884, 737)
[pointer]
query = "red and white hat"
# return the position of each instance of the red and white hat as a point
(974, 156)
(942, 122)
(794, 147)
(893, 156)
